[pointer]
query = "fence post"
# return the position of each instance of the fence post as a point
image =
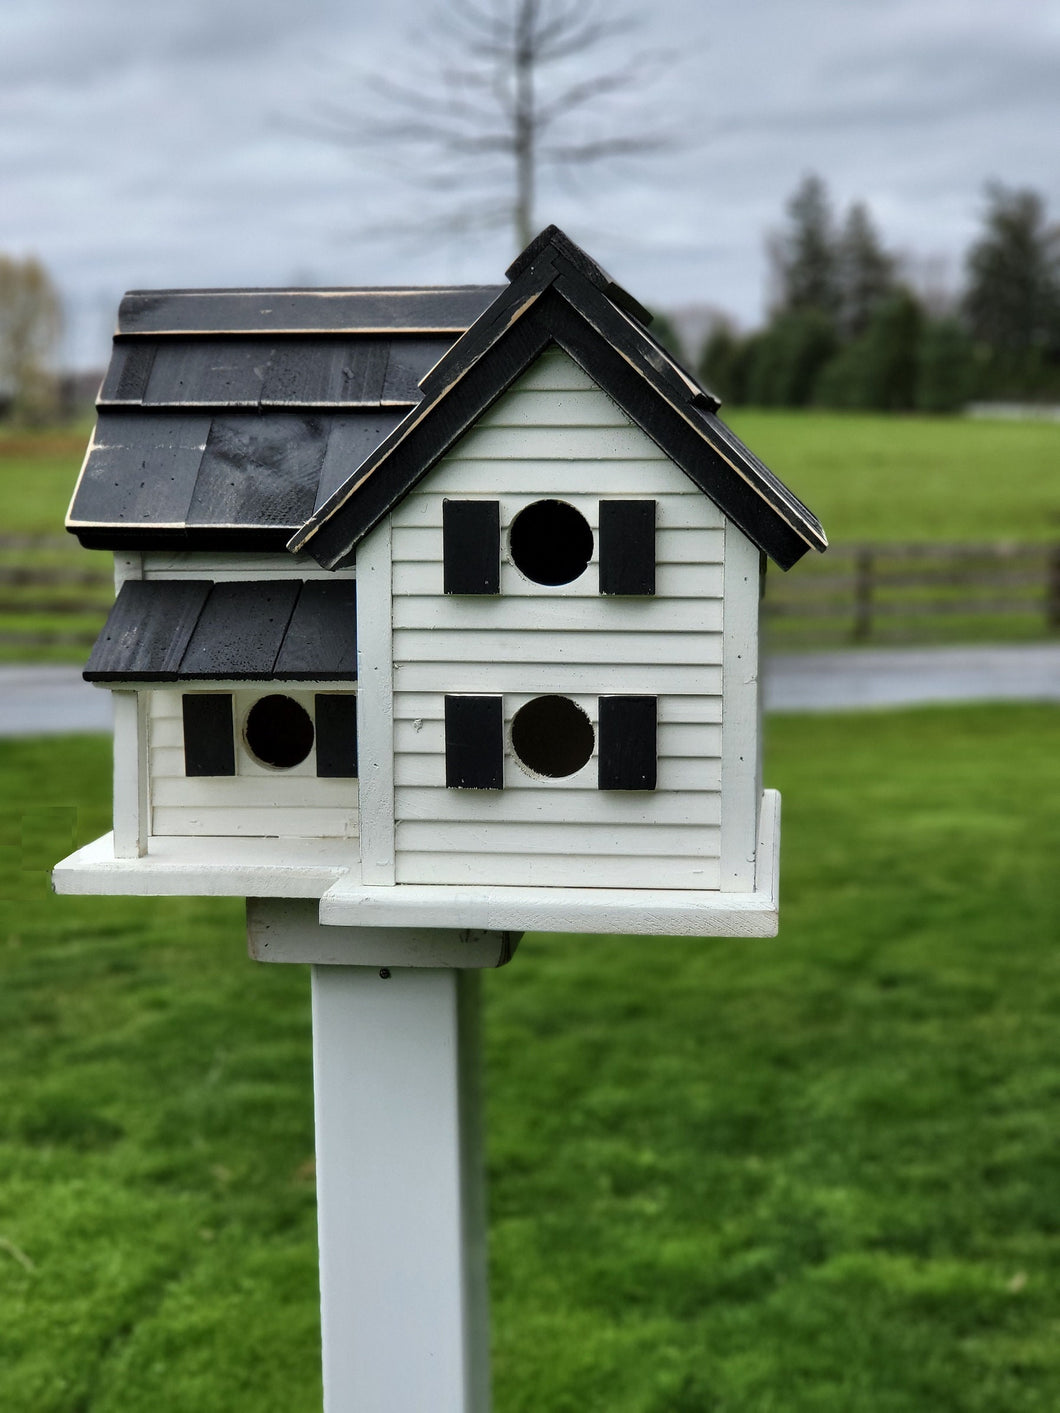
(863, 567)
(1052, 589)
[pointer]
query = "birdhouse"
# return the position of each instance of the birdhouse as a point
(438, 606)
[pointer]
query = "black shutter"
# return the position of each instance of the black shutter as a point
(471, 546)
(627, 547)
(628, 755)
(474, 743)
(336, 726)
(209, 740)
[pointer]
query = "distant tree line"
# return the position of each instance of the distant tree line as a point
(31, 321)
(847, 330)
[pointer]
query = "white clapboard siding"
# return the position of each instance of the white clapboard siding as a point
(582, 805)
(428, 706)
(682, 774)
(687, 545)
(255, 802)
(532, 639)
(672, 581)
(676, 739)
(170, 564)
(557, 870)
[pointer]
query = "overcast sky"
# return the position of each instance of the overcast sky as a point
(146, 145)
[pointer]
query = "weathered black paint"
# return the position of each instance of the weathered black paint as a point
(147, 631)
(627, 751)
(471, 546)
(474, 743)
(336, 723)
(627, 547)
(320, 644)
(190, 630)
(243, 311)
(209, 738)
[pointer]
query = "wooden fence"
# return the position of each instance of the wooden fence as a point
(54, 595)
(915, 592)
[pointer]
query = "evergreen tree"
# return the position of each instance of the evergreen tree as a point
(946, 375)
(787, 359)
(804, 257)
(719, 363)
(1012, 299)
(865, 272)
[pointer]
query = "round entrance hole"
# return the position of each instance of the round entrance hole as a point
(550, 542)
(552, 736)
(278, 731)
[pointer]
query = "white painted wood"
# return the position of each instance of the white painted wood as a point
(679, 504)
(218, 868)
(684, 544)
(175, 564)
(400, 1203)
(308, 869)
(257, 800)
(680, 775)
(131, 809)
(532, 678)
(567, 618)
(289, 930)
(674, 582)
(741, 729)
(375, 705)
(428, 706)
(623, 911)
(534, 639)
(129, 564)
(582, 805)
(554, 370)
(248, 821)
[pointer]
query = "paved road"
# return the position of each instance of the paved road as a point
(48, 700)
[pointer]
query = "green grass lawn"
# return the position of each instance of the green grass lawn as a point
(873, 477)
(818, 1173)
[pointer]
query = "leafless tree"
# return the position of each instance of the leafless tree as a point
(500, 94)
(30, 327)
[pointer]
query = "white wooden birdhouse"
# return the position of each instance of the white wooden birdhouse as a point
(437, 605)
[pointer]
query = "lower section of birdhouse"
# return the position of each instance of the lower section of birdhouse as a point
(326, 870)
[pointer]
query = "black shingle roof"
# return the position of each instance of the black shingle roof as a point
(227, 416)
(195, 630)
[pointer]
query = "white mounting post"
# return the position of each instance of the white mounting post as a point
(399, 1190)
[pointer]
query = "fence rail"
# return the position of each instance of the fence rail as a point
(54, 597)
(916, 592)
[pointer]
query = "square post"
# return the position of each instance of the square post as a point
(400, 1190)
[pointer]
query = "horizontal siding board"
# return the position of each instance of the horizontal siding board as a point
(571, 614)
(589, 480)
(554, 371)
(607, 443)
(676, 708)
(582, 805)
(191, 564)
(421, 544)
(567, 677)
(526, 407)
(274, 791)
(703, 741)
(588, 648)
(672, 582)
(558, 871)
(654, 840)
(684, 774)
(247, 821)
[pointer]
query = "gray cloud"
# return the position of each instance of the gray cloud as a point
(154, 145)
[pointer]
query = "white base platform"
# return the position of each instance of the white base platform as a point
(304, 868)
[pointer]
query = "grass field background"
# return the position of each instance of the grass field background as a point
(812, 1174)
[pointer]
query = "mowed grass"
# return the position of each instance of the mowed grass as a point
(818, 1173)
(935, 479)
